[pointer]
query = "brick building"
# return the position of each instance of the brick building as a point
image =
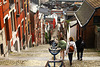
(23, 23)
(51, 21)
(39, 32)
(42, 21)
(88, 17)
(28, 36)
(36, 24)
(3, 27)
(14, 25)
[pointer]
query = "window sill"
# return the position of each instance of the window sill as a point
(4, 2)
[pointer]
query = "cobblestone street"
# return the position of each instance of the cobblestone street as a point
(38, 56)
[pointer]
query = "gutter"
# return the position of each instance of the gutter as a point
(97, 8)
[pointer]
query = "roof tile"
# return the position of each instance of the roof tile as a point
(94, 3)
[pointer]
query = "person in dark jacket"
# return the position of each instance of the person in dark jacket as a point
(80, 48)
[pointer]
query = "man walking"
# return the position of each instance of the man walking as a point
(80, 48)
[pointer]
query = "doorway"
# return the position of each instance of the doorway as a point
(19, 37)
(1, 49)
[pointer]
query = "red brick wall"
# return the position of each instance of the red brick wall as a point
(1, 17)
(35, 25)
(32, 24)
(5, 12)
(6, 6)
(19, 19)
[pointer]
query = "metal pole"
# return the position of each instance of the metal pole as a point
(54, 60)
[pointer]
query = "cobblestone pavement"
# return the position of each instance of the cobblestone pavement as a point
(39, 55)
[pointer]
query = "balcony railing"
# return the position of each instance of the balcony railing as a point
(11, 3)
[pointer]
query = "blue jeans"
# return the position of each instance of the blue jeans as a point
(70, 55)
(78, 54)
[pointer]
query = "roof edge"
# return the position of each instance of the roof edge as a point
(78, 20)
(97, 8)
(73, 25)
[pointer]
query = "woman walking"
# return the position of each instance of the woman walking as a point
(71, 48)
(62, 44)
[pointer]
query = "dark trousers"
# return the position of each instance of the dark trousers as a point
(70, 55)
(79, 54)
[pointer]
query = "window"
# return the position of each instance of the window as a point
(4, 1)
(21, 4)
(23, 32)
(23, 28)
(11, 2)
(96, 19)
(25, 9)
(7, 29)
(27, 6)
(17, 8)
(28, 28)
(13, 20)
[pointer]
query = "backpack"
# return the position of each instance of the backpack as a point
(71, 48)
